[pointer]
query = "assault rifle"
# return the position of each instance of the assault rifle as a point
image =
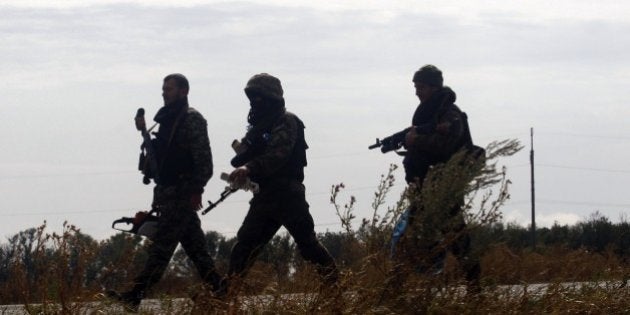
(247, 149)
(231, 188)
(147, 163)
(244, 152)
(397, 140)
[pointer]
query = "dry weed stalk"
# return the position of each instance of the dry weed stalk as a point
(445, 187)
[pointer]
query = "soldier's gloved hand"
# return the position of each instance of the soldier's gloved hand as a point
(140, 123)
(443, 128)
(410, 138)
(195, 201)
(239, 176)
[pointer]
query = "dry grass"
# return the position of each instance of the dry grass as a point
(365, 287)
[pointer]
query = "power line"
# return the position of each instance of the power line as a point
(343, 155)
(517, 165)
(362, 188)
(567, 202)
(572, 168)
(586, 203)
(94, 173)
(144, 208)
(63, 212)
(67, 175)
(18, 177)
(586, 135)
(584, 168)
(497, 138)
(563, 134)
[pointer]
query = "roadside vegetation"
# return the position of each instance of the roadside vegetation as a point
(65, 273)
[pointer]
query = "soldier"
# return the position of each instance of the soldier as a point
(448, 135)
(184, 167)
(276, 157)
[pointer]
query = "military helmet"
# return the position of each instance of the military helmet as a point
(265, 85)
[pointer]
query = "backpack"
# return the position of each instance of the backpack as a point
(475, 153)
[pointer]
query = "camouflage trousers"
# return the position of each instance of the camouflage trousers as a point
(266, 215)
(178, 224)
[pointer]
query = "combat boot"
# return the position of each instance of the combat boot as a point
(329, 274)
(130, 299)
(472, 270)
(216, 284)
(221, 290)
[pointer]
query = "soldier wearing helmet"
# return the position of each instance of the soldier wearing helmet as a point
(276, 159)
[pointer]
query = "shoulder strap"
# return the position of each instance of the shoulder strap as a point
(183, 113)
(177, 120)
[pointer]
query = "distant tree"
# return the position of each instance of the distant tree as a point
(224, 249)
(346, 249)
(517, 237)
(557, 235)
(280, 254)
(5, 261)
(82, 251)
(182, 266)
(213, 239)
(596, 233)
(23, 246)
(622, 240)
(118, 258)
(334, 242)
(486, 235)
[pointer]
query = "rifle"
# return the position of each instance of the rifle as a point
(247, 150)
(231, 188)
(396, 141)
(244, 152)
(147, 163)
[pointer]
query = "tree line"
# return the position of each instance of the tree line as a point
(596, 234)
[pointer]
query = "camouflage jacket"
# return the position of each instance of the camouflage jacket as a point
(185, 157)
(450, 134)
(283, 155)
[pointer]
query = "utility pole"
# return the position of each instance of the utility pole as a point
(531, 162)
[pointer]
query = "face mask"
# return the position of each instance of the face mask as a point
(257, 110)
(262, 108)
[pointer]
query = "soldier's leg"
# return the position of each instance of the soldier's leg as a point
(469, 262)
(160, 251)
(416, 167)
(299, 222)
(195, 245)
(256, 231)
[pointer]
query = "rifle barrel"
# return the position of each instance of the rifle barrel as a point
(376, 144)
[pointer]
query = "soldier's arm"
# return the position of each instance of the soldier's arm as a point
(444, 140)
(199, 145)
(278, 149)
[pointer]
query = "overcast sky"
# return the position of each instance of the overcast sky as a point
(73, 74)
